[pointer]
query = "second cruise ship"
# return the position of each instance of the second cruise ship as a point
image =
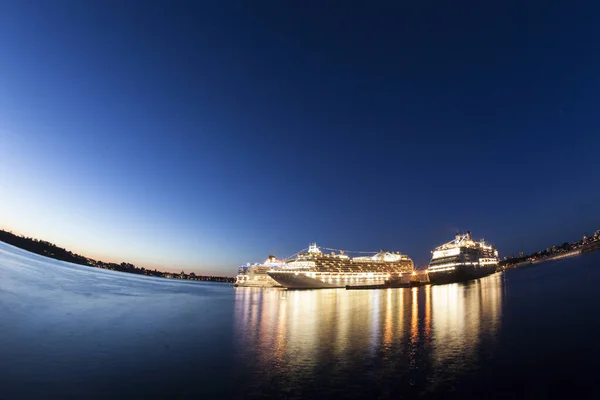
(462, 259)
(255, 275)
(314, 269)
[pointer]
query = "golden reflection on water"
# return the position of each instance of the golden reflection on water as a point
(414, 319)
(294, 332)
(462, 315)
(387, 337)
(427, 328)
(280, 337)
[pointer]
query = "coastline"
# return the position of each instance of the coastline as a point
(589, 248)
(525, 263)
(50, 250)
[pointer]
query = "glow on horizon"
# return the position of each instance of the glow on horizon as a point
(116, 255)
(40, 201)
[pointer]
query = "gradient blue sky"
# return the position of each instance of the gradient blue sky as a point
(203, 135)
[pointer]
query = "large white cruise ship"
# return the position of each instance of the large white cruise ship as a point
(462, 259)
(314, 269)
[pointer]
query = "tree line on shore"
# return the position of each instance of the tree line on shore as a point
(51, 250)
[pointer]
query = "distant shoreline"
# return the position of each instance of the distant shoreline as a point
(569, 254)
(587, 245)
(52, 251)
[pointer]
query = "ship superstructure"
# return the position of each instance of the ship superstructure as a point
(255, 275)
(314, 269)
(462, 259)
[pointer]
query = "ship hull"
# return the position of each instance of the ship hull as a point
(460, 274)
(260, 284)
(301, 281)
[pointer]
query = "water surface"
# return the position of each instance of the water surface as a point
(71, 331)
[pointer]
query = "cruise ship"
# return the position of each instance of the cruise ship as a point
(314, 269)
(255, 275)
(462, 259)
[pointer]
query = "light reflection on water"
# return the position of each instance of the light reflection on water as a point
(69, 331)
(303, 342)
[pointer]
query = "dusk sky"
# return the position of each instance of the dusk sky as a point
(204, 135)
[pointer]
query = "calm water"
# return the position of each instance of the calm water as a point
(75, 332)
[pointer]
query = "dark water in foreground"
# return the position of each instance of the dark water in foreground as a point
(75, 332)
